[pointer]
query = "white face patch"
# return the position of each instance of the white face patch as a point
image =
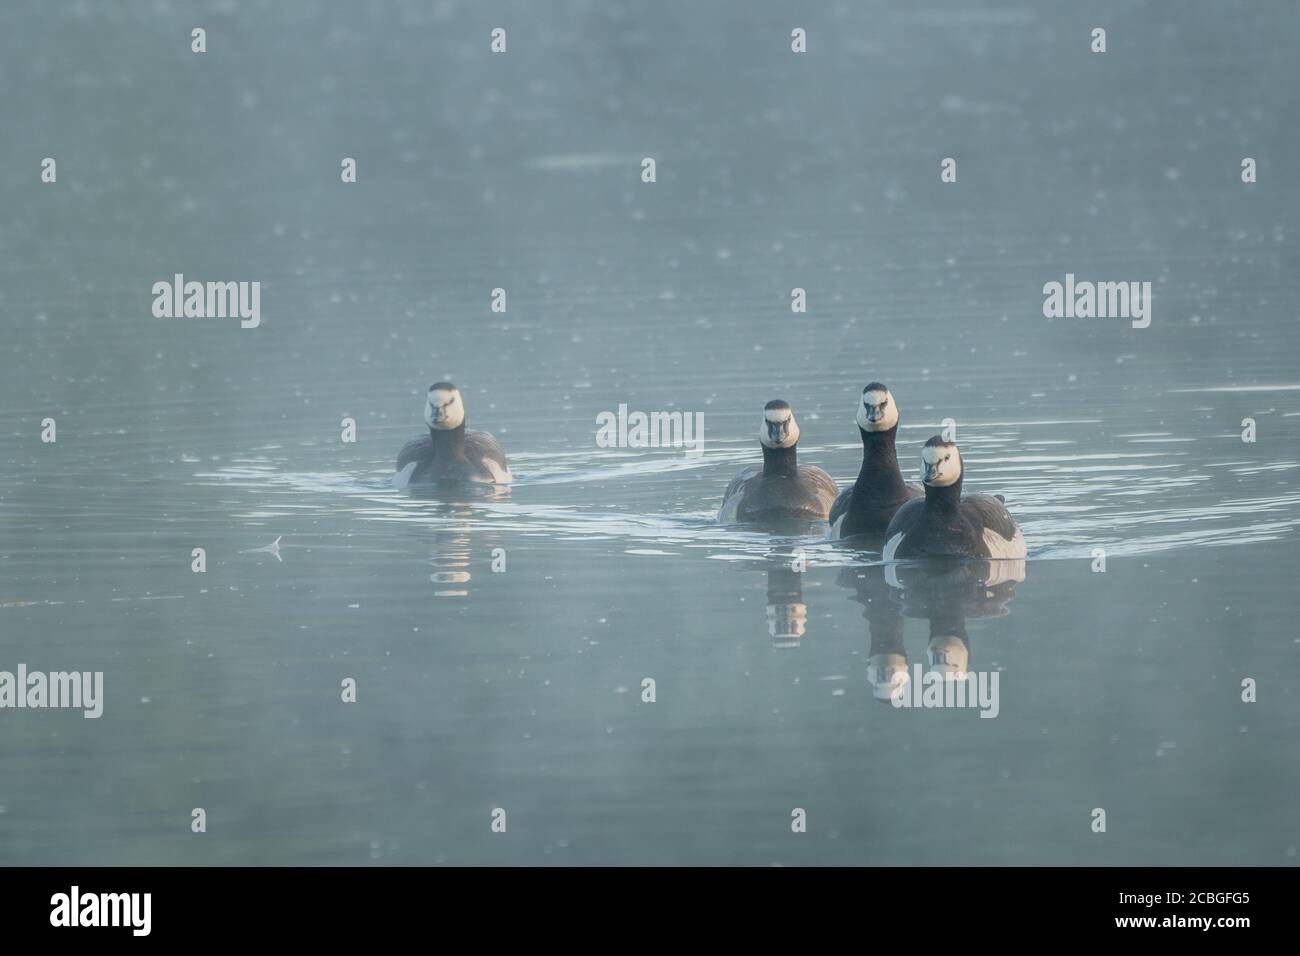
(876, 411)
(444, 410)
(942, 465)
(779, 429)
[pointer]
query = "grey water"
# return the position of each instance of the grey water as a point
(520, 688)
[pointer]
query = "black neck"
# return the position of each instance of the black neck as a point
(780, 461)
(950, 622)
(448, 441)
(880, 461)
(944, 499)
(885, 626)
(784, 586)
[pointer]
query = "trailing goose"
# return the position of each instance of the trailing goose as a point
(450, 452)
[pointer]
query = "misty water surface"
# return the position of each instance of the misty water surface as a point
(522, 689)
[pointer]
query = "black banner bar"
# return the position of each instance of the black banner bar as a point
(332, 905)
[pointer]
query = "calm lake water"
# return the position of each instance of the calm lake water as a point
(521, 689)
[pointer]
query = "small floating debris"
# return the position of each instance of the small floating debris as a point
(272, 548)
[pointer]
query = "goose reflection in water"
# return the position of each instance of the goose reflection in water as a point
(945, 593)
(787, 614)
(453, 540)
